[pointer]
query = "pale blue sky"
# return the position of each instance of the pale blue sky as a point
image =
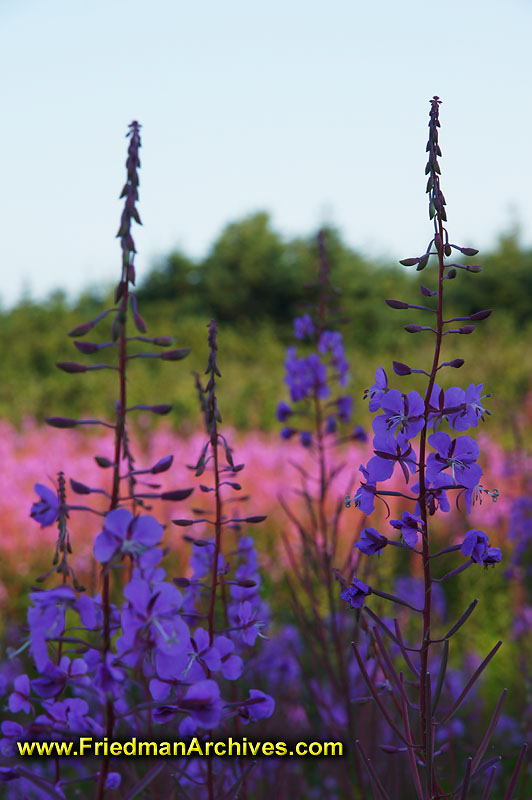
(315, 111)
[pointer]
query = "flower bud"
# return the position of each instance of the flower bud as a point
(81, 330)
(79, 488)
(401, 369)
(409, 262)
(61, 422)
(175, 355)
(87, 347)
(71, 366)
(481, 315)
(162, 465)
(396, 304)
(413, 328)
(103, 462)
(177, 494)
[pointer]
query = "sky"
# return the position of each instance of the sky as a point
(313, 110)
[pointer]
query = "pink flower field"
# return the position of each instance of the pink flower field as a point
(38, 453)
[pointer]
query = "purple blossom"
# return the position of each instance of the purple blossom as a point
(475, 544)
(305, 376)
(245, 618)
(304, 327)
(283, 412)
(345, 408)
(204, 704)
(388, 453)
(458, 455)
(403, 413)
(332, 341)
(378, 390)
(19, 700)
(306, 438)
(471, 409)
(356, 594)
(122, 533)
(409, 525)
(371, 541)
(262, 706)
(231, 665)
(47, 510)
(364, 498)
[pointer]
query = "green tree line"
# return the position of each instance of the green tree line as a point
(253, 282)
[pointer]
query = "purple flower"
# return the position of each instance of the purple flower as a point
(345, 408)
(459, 455)
(47, 510)
(304, 327)
(475, 544)
(403, 413)
(371, 541)
(259, 706)
(231, 664)
(332, 341)
(19, 700)
(287, 433)
(204, 704)
(409, 526)
(378, 390)
(468, 406)
(356, 594)
(305, 376)
(492, 556)
(283, 412)
(246, 620)
(122, 533)
(388, 453)
(113, 780)
(364, 498)
(306, 438)
(330, 425)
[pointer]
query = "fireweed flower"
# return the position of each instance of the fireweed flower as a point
(409, 525)
(378, 390)
(364, 497)
(304, 327)
(388, 453)
(458, 455)
(47, 510)
(371, 542)
(305, 376)
(260, 706)
(283, 412)
(471, 409)
(122, 533)
(403, 413)
(356, 594)
(475, 544)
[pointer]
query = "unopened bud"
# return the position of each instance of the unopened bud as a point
(81, 330)
(396, 304)
(401, 369)
(481, 315)
(71, 366)
(61, 422)
(175, 355)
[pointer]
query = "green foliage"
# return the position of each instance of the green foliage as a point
(252, 281)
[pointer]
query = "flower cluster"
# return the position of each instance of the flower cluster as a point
(402, 439)
(145, 652)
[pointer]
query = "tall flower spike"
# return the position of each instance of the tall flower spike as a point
(131, 193)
